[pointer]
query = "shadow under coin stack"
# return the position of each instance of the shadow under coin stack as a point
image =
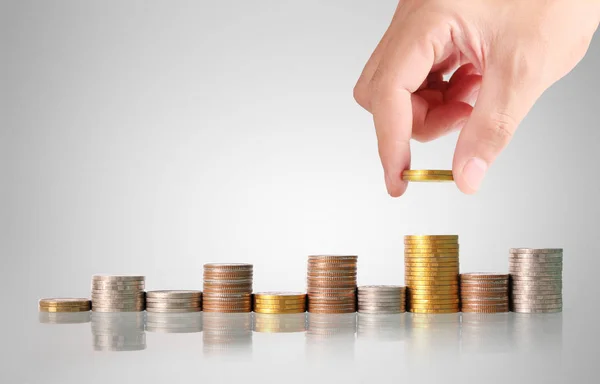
(536, 280)
(484, 292)
(173, 301)
(331, 284)
(227, 288)
(381, 299)
(431, 273)
(64, 305)
(279, 302)
(118, 293)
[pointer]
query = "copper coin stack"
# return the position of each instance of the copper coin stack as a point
(227, 288)
(484, 292)
(331, 284)
(431, 273)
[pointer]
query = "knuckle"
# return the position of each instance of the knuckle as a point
(500, 129)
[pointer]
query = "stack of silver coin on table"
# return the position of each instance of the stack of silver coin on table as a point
(173, 301)
(118, 293)
(536, 280)
(174, 322)
(118, 331)
(381, 299)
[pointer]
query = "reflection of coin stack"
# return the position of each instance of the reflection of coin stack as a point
(173, 301)
(64, 317)
(174, 322)
(485, 332)
(227, 332)
(118, 331)
(431, 273)
(276, 323)
(536, 280)
(332, 284)
(532, 333)
(381, 327)
(118, 293)
(64, 305)
(381, 299)
(322, 327)
(433, 332)
(484, 292)
(279, 302)
(227, 288)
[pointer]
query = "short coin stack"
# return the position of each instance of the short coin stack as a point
(64, 305)
(331, 284)
(536, 280)
(118, 293)
(381, 299)
(227, 288)
(279, 302)
(173, 301)
(484, 292)
(431, 273)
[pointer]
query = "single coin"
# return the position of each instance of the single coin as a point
(228, 266)
(418, 172)
(427, 257)
(433, 306)
(333, 257)
(536, 297)
(432, 264)
(382, 288)
(431, 273)
(431, 245)
(532, 310)
(484, 276)
(410, 241)
(535, 250)
(173, 310)
(279, 311)
(117, 277)
(173, 294)
(64, 301)
(433, 301)
(433, 249)
(427, 279)
(453, 270)
(431, 237)
(433, 311)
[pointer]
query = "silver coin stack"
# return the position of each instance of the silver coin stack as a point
(227, 288)
(173, 301)
(174, 322)
(536, 280)
(118, 293)
(118, 331)
(381, 299)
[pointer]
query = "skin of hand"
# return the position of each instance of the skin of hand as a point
(502, 54)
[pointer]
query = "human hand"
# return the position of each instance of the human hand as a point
(508, 52)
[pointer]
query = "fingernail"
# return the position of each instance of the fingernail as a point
(473, 172)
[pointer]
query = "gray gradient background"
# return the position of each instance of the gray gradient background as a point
(152, 137)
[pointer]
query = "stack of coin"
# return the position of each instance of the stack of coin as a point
(118, 331)
(427, 175)
(381, 299)
(431, 273)
(116, 293)
(279, 302)
(64, 305)
(275, 323)
(173, 301)
(64, 317)
(332, 284)
(227, 332)
(482, 292)
(174, 322)
(227, 288)
(536, 280)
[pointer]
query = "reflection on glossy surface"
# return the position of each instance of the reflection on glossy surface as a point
(381, 327)
(64, 317)
(284, 323)
(485, 332)
(536, 332)
(226, 333)
(330, 333)
(188, 322)
(118, 331)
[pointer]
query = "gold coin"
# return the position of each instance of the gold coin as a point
(428, 178)
(431, 237)
(63, 309)
(444, 253)
(454, 301)
(431, 264)
(434, 296)
(410, 242)
(279, 306)
(431, 272)
(418, 310)
(279, 302)
(419, 172)
(416, 284)
(431, 245)
(432, 277)
(279, 311)
(434, 306)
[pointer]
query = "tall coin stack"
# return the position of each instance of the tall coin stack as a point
(279, 302)
(173, 301)
(484, 292)
(331, 284)
(381, 299)
(227, 288)
(536, 280)
(118, 293)
(431, 273)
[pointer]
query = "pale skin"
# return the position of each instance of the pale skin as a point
(502, 54)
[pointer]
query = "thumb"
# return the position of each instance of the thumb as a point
(505, 97)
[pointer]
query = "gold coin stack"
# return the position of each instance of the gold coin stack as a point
(431, 273)
(273, 323)
(429, 175)
(64, 305)
(279, 302)
(227, 288)
(331, 284)
(484, 292)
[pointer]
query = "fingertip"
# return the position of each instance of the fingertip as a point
(468, 175)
